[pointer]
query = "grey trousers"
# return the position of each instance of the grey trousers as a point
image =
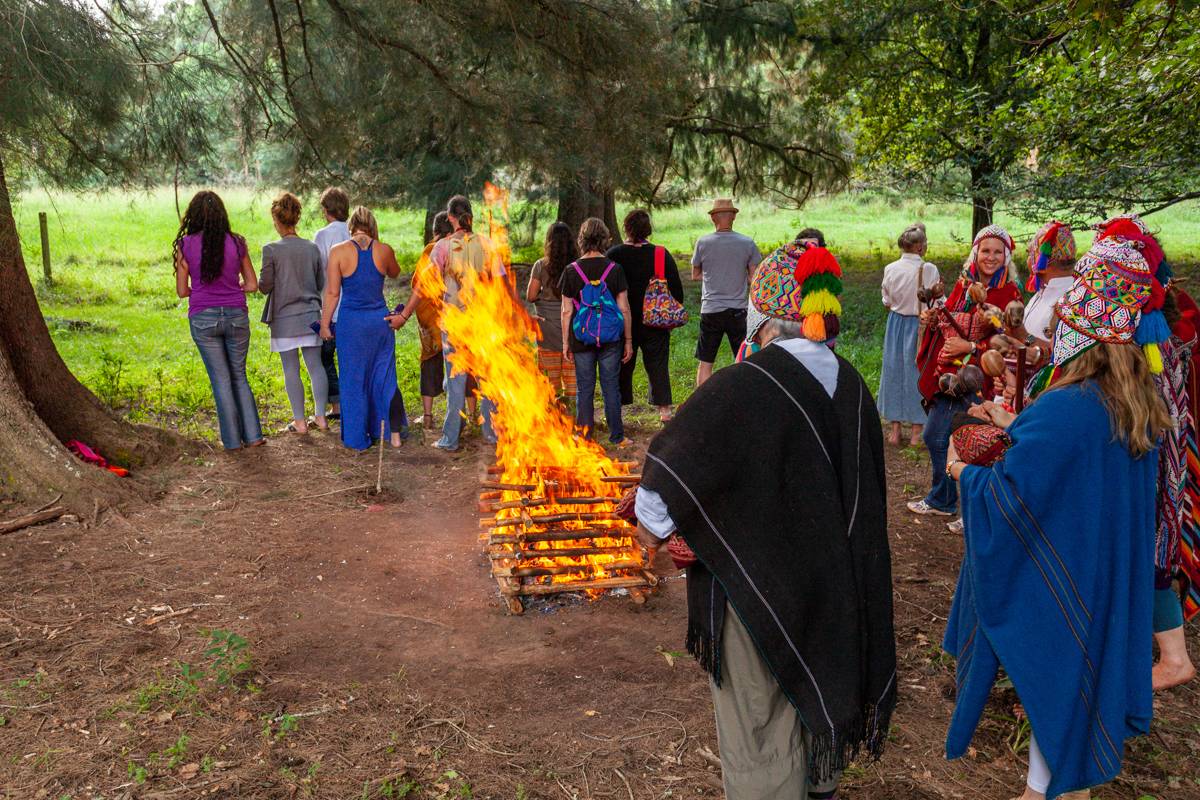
(764, 752)
(294, 384)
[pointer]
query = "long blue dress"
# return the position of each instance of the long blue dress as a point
(366, 347)
(1056, 587)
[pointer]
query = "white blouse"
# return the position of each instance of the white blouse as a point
(902, 278)
(1039, 312)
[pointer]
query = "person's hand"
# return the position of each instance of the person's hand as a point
(992, 413)
(998, 415)
(396, 321)
(326, 333)
(956, 346)
(649, 541)
(926, 316)
(568, 355)
(628, 351)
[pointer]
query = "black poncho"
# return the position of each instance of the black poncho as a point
(780, 491)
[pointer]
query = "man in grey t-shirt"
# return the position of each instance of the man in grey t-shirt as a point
(724, 260)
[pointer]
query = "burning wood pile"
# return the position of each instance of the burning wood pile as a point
(547, 529)
(553, 531)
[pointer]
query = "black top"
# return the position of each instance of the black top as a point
(638, 263)
(570, 285)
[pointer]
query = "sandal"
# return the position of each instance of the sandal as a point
(291, 428)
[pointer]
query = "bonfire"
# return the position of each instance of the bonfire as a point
(549, 497)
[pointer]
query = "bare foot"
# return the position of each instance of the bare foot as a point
(396, 440)
(1030, 794)
(1166, 674)
(321, 423)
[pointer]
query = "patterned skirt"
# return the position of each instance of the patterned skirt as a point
(561, 373)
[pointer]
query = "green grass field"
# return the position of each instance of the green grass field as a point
(115, 318)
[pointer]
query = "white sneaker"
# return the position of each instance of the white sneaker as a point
(956, 526)
(923, 508)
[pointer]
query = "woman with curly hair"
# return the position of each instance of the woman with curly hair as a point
(558, 251)
(642, 262)
(213, 271)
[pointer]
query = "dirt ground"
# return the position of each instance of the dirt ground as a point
(268, 629)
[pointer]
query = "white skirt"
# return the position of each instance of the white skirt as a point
(285, 343)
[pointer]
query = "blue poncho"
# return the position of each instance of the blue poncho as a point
(1056, 586)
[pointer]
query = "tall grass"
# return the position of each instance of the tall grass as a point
(115, 318)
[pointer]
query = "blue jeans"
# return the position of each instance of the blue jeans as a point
(608, 358)
(222, 335)
(943, 493)
(456, 404)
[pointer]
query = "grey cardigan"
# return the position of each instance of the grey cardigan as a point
(293, 280)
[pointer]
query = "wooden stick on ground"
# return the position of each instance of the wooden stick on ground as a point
(36, 518)
(161, 617)
(379, 472)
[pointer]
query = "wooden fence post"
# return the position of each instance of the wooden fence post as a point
(45, 246)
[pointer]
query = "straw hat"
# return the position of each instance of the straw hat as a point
(722, 204)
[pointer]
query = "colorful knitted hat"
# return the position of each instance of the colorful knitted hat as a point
(1105, 303)
(1053, 243)
(800, 283)
(1001, 275)
(1153, 329)
(755, 319)
(1131, 228)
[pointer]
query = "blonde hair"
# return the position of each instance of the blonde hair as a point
(363, 221)
(286, 209)
(912, 238)
(1135, 408)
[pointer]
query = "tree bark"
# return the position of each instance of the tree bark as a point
(427, 230)
(983, 198)
(581, 196)
(42, 404)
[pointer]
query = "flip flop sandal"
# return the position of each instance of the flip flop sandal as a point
(291, 428)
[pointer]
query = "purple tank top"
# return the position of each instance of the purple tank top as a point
(225, 290)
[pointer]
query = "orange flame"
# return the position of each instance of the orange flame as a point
(494, 339)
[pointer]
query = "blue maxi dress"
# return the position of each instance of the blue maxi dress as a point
(366, 347)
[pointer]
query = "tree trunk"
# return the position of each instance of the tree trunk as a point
(983, 198)
(981, 213)
(610, 213)
(582, 196)
(427, 230)
(42, 404)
